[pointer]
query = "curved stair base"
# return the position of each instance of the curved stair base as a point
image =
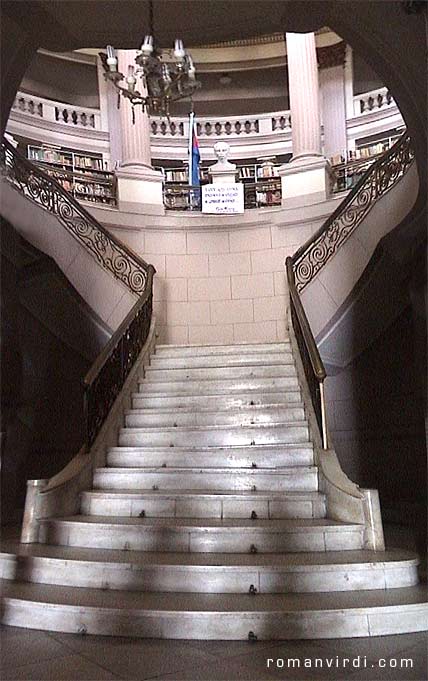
(215, 616)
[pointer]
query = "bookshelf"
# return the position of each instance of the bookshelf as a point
(262, 185)
(350, 167)
(82, 174)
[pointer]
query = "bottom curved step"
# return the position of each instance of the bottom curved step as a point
(215, 616)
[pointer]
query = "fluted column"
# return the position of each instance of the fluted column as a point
(333, 108)
(139, 184)
(304, 95)
(331, 60)
(306, 179)
(110, 116)
(135, 136)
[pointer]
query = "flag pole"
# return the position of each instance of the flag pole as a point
(190, 148)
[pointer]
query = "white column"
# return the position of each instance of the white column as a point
(110, 116)
(305, 180)
(333, 109)
(349, 82)
(139, 185)
(135, 136)
(304, 95)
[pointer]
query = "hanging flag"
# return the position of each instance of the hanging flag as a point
(194, 155)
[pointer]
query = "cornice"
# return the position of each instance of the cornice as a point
(255, 40)
(331, 55)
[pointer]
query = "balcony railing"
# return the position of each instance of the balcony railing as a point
(274, 125)
(381, 98)
(57, 112)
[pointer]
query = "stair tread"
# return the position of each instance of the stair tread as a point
(242, 361)
(300, 525)
(214, 494)
(220, 361)
(216, 379)
(219, 346)
(282, 561)
(268, 447)
(415, 596)
(185, 409)
(292, 470)
(221, 426)
(250, 409)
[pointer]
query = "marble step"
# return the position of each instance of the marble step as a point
(266, 456)
(291, 479)
(214, 616)
(202, 504)
(217, 373)
(291, 433)
(331, 571)
(219, 350)
(199, 361)
(207, 535)
(142, 418)
(226, 386)
(201, 402)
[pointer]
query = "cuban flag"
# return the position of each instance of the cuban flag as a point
(194, 155)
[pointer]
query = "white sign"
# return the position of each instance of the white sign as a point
(223, 198)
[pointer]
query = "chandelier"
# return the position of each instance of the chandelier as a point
(164, 80)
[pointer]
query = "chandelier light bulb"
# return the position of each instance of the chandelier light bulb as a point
(147, 46)
(179, 51)
(131, 80)
(111, 58)
(191, 71)
(166, 76)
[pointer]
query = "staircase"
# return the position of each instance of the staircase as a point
(207, 521)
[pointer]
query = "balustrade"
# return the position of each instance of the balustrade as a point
(73, 117)
(232, 126)
(282, 122)
(171, 127)
(57, 112)
(28, 105)
(373, 101)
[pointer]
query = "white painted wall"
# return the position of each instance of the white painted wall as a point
(219, 279)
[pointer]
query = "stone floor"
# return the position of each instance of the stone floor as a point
(42, 656)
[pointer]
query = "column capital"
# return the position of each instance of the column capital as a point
(331, 55)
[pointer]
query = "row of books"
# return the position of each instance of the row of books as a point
(49, 156)
(363, 152)
(90, 162)
(65, 158)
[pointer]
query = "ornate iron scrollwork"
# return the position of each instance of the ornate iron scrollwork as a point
(376, 182)
(105, 379)
(108, 251)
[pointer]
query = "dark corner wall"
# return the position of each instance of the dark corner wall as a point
(41, 368)
(378, 413)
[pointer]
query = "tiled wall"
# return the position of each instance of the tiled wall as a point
(220, 286)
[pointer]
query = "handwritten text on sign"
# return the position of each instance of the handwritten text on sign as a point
(223, 198)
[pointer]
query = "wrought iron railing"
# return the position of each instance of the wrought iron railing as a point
(312, 363)
(375, 183)
(317, 251)
(105, 379)
(107, 250)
